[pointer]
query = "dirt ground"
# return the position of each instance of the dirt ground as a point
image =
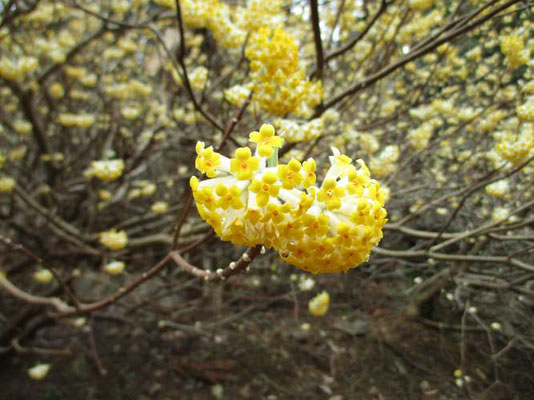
(250, 343)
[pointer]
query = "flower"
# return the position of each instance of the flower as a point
(115, 267)
(39, 371)
(43, 275)
(159, 207)
(330, 228)
(266, 140)
(114, 240)
(207, 160)
(290, 174)
(243, 164)
(7, 185)
(265, 189)
(318, 305)
(106, 170)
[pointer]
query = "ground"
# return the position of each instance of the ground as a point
(243, 341)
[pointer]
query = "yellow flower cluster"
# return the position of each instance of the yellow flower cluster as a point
(516, 150)
(420, 136)
(127, 90)
(115, 267)
(114, 240)
(237, 94)
(319, 305)
(526, 111)
(369, 143)
(513, 48)
(248, 201)
(105, 170)
(280, 84)
(79, 120)
(416, 28)
(498, 189)
(420, 5)
(17, 70)
(22, 127)
(384, 163)
(159, 207)
(294, 132)
(198, 78)
(7, 185)
(131, 112)
(224, 21)
(56, 90)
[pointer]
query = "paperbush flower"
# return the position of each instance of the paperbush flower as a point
(319, 305)
(326, 228)
(39, 371)
(7, 184)
(114, 240)
(115, 267)
(106, 170)
(280, 85)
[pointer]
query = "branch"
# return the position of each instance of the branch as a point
(221, 274)
(55, 302)
(371, 79)
(317, 39)
(187, 83)
(346, 47)
(453, 257)
(39, 261)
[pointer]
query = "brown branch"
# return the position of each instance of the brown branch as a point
(221, 274)
(55, 302)
(187, 83)
(319, 55)
(39, 350)
(339, 12)
(349, 45)
(39, 261)
(70, 54)
(459, 192)
(453, 257)
(25, 99)
(371, 79)
(94, 351)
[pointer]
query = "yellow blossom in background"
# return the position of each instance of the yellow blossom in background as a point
(131, 112)
(237, 94)
(384, 163)
(115, 267)
(16, 70)
(114, 240)
(526, 110)
(39, 371)
(198, 78)
(159, 207)
(319, 305)
(280, 85)
(514, 50)
(516, 148)
(326, 228)
(105, 195)
(498, 189)
(79, 120)
(22, 127)
(106, 170)
(7, 184)
(43, 275)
